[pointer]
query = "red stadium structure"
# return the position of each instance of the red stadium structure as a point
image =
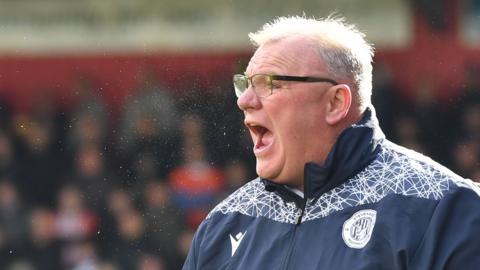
(438, 56)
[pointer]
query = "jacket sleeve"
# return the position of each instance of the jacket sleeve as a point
(191, 263)
(452, 238)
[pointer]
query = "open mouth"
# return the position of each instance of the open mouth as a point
(262, 137)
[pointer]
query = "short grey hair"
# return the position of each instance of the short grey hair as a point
(341, 46)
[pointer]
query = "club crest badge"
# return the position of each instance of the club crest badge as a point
(358, 229)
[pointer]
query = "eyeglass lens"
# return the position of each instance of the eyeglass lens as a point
(261, 84)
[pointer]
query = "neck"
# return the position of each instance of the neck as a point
(355, 148)
(324, 146)
(319, 157)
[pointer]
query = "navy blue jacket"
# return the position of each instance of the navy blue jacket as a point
(372, 205)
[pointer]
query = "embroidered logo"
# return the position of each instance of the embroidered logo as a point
(358, 229)
(236, 240)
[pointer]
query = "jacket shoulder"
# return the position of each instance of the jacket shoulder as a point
(395, 171)
(419, 175)
(253, 200)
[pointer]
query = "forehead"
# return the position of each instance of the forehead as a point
(289, 56)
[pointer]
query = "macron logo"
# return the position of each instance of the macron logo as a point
(236, 240)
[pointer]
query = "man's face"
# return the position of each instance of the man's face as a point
(287, 127)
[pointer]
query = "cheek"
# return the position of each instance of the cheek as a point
(298, 127)
(294, 118)
(291, 130)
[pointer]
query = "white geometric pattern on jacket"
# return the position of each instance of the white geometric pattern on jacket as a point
(396, 170)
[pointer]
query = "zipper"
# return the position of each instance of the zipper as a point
(289, 196)
(298, 221)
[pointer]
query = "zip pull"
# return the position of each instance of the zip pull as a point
(299, 216)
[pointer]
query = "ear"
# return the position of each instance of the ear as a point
(339, 101)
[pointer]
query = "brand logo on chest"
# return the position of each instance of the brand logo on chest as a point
(236, 240)
(358, 229)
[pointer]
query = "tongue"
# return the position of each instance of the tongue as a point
(265, 140)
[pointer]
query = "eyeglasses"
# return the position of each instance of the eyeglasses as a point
(263, 84)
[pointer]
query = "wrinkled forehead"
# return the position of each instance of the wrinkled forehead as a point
(288, 56)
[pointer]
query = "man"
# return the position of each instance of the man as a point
(332, 192)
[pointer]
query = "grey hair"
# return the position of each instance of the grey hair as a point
(341, 46)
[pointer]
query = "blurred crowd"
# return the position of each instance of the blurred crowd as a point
(89, 188)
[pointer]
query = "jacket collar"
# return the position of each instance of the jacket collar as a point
(355, 148)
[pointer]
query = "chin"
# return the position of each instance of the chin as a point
(278, 174)
(266, 170)
(273, 176)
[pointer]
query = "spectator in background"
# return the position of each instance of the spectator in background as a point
(5, 114)
(13, 218)
(235, 172)
(20, 264)
(424, 110)
(144, 165)
(149, 122)
(89, 116)
(185, 242)
(195, 183)
(465, 152)
(406, 131)
(86, 129)
(476, 175)
(47, 110)
(164, 222)
(132, 241)
(81, 255)
(40, 164)
(47, 113)
(117, 201)
(470, 121)
(466, 157)
(91, 174)
(385, 98)
(151, 262)
(222, 126)
(470, 92)
(75, 226)
(44, 249)
(149, 129)
(8, 164)
(73, 220)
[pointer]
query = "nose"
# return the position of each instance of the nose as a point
(249, 100)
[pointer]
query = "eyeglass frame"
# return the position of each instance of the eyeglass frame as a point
(277, 78)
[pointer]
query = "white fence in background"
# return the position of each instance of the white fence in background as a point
(57, 26)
